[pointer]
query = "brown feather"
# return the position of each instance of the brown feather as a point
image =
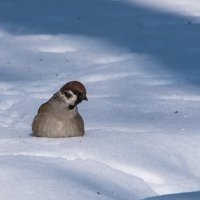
(44, 107)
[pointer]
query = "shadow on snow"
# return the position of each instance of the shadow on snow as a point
(172, 40)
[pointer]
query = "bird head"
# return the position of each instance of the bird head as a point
(73, 92)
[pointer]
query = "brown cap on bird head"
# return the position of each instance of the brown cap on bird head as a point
(76, 87)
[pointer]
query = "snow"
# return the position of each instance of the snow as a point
(139, 62)
(179, 7)
(182, 196)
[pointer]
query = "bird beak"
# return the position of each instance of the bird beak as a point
(84, 97)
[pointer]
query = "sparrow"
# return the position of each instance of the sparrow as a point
(59, 116)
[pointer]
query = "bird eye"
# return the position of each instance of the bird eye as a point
(68, 95)
(76, 92)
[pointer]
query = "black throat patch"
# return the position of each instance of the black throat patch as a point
(71, 107)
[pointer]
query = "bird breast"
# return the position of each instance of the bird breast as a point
(63, 124)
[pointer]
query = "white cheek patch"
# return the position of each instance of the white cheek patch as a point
(72, 99)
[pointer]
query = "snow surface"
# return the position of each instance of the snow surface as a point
(139, 61)
(181, 196)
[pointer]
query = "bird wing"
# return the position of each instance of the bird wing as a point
(44, 107)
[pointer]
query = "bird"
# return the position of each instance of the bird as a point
(59, 116)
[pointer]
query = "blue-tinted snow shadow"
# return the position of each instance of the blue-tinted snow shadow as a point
(181, 196)
(61, 176)
(175, 42)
